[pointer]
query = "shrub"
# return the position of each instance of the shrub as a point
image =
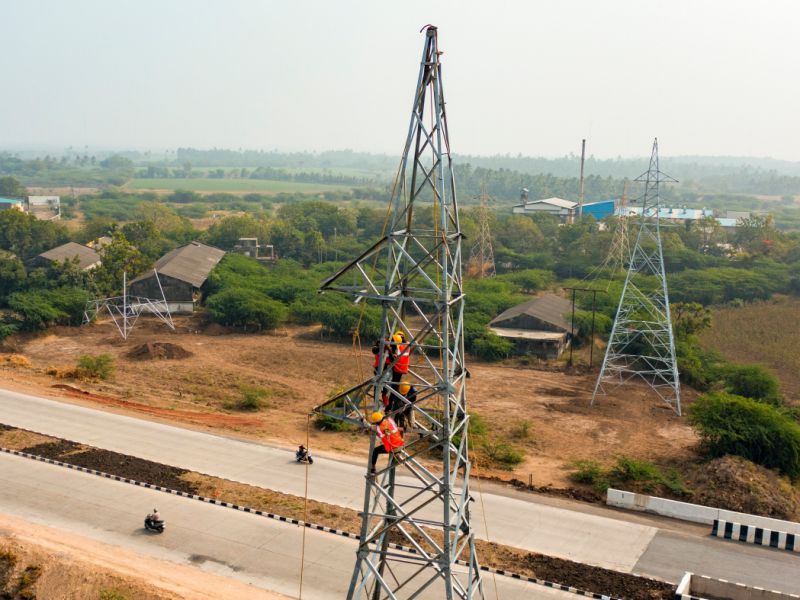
(730, 424)
(591, 473)
(491, 347)
(502, 454)
(246, 308)
(252, 398)
(100, 366)
(627, 472)
(753, 381)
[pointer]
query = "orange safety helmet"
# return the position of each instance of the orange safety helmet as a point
(404, 388)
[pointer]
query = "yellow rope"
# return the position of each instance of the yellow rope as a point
(305, 512)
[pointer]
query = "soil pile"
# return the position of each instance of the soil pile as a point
(158, 350)
(737, 484)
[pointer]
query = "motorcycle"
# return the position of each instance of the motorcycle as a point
(154, 525)
(303, 456)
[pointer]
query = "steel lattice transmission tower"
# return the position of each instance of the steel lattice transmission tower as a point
(481, 260)
(416, 540)
(619, 251)
(641, 343)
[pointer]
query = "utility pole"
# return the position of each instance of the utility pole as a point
(580, 196)
(642, 344)
(415, 521)
(572, 341)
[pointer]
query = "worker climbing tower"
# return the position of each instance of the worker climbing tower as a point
(641, 342)
(416, 539)
(481, 260)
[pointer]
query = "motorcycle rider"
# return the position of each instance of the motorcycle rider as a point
(302, 453)
(154, 517)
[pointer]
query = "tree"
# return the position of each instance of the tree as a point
(11, 188)
(690, 318)
(520, 234)
(119, 256)
(12, 274)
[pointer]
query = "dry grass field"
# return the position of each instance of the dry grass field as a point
(762, 332)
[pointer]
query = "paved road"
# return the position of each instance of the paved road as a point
(582, 536)
(255, 550)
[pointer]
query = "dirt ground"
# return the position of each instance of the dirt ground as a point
(545, 414)
(77, 568)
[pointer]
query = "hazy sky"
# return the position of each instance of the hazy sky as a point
(531, 77)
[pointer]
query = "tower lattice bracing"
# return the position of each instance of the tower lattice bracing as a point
(416, 539)
(641, 345)
(481, 260)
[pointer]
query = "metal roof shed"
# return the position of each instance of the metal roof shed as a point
(87, 257)
(181, 274)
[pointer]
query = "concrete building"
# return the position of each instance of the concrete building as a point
(681, 215)
(600, 210)
(563, 210)
(182, 274)
(537, 326)
(46, 208)
(12, 204)
(88, 258)
(250, 247)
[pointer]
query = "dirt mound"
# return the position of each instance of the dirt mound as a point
(737, 484)
(158, 350)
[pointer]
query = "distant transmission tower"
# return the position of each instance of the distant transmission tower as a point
(481, 261)
(416, 538)
(641, 343)
(619, 251)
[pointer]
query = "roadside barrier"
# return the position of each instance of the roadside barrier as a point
(701, 587)
(760, 536)
(695, 513)
(269, 515)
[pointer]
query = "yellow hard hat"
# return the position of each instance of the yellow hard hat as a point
(397, 338)
(376, 417)
(401, 334)
(404, 387)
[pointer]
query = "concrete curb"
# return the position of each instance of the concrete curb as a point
(268, 515)
(695, 513)
(759, 536)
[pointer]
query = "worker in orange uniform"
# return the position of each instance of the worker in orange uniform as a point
(402, 410)
(402, 351)
(388, 433)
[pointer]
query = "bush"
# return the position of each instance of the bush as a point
(100, 366)
(753, 381)
(628, 472)
(246, 308)
(591, 473)
(491, 347)
(730, 424)
(41, 308)
(252, 398)
(502, 454)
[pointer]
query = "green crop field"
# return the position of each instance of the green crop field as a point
(260, 186)
(761, 332)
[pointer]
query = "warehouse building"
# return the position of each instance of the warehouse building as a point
(536, 327)
(182, 274)
(87, 258)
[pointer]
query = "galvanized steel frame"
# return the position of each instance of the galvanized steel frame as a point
(642, 344)
(414, 273)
